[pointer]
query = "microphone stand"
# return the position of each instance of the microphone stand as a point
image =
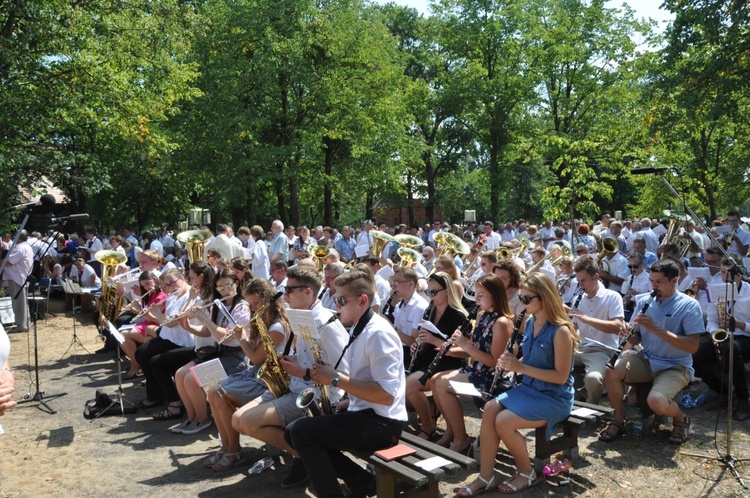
(727, 461)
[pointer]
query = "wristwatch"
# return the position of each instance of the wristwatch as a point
(306, 378)
(335, 380)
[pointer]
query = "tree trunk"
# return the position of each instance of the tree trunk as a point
(280, 201)
(294, 214)
(327, 190)
(369, 204)
(252, 214)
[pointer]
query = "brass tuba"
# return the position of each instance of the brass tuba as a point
(609, 246)
(505, 253)
(381, 239)
(195, 242)
(319, 254)
(450, 244)
(409, 257)
(673, 237)
(109, 302)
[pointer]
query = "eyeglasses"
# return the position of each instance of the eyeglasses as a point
(341, 300)
(222, 288)
(170, 283)
(633, 267)
(526, 299)
(289, 288)
(581, 251)
(399, 282)
(434, 292)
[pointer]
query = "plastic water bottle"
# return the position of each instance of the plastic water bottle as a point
(260, 466)
(638, 423)
(688, 400)
(559, 466)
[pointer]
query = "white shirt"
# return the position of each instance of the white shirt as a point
(333, 339)
(741, 311)
(327, 300)
(605, 305)
(178, 335)
(383, 288)
(95, 245)
(21, 259)
(261, 265)
(167, 242)
(226, 247)
(84, 280)
(744, 238)
(407, 317)
(618, 267)
(377, 355)
(364, 238)
(156, 246)
(640, 283)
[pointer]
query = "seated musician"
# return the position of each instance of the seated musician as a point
(410, 311)
(669, 333)
(243, 387)
(637, 283)
(173, 345)
(598, 314)
(715, 371)
(381, 285)
(330, 273)
(278, 274)
(509, 274)
(545, 396)
(487, 342)
(566, 280)
(145, 329)
(265, 419)
(211, 329)
(446, 264)
(375, 384)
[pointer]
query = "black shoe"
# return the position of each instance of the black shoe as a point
(368, 489)
(297, 475)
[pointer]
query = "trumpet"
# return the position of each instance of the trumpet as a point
(182, 315)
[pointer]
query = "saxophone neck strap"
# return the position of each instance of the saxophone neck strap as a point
(363, 321)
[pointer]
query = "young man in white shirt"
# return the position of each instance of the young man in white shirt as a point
(409, 312)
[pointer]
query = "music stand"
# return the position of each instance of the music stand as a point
(38, 395)
(119, 396)
(73, 288)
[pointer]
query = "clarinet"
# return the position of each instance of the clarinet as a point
(388, 308)
(511, 342)
(631, 332)
(465, 329)
(418, 343)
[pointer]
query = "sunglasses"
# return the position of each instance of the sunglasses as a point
(633, 267)
(341, 300)
(289, 288)
(526, 299)
(434, 292)
(222, 288)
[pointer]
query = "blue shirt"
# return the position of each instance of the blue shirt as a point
(678, 314)
(280, 244)
(345, 247)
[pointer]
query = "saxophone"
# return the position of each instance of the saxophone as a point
(306, 399)
(271, 373)
(720, 335)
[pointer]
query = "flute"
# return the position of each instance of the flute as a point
(230, 335)
(631, 332)
(130, 306)
(182, 315)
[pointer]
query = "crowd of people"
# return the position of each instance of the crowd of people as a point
(393, 328)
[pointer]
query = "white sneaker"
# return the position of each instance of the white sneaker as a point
(179, 428)
(196, 426)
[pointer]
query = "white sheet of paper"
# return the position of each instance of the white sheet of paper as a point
(430, 327)
(131, 285)
(492, 244)
(225, 313)
(116, 333)
(208, 373)
(433, 463)
(362, 250)
(303, 324)
(385, 272)
(720, 291)
(699, 272)
(584, 412)
(464, 388)
(723, 230)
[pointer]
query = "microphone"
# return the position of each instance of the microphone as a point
(24, 205)
(72, 217)
(647, 171)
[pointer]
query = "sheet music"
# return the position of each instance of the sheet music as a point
(464, 388)
(720, 291)
(304, 325)
(723, 230)
(115, 333)
(208, 373)
(362, 250)
(699, 272)
(385, 272)
(226, 314)
(430, 327)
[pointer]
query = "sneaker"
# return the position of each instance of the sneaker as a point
(179, 428)
(196, 426)
(297, 475)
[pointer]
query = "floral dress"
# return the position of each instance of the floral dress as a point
(479, 374)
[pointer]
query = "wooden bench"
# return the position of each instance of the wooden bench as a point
(567, 443)
(402, 477)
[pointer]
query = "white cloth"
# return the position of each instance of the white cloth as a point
(94, 245)
(158, 247)
(225, 246)
(177, 334)
(744, 238)
(407, 317)
(741, 311)
(85, 279)
(605, 305)
(640, 284)
(377, 355)
(261, 264)
(618, 267)
(21, 259)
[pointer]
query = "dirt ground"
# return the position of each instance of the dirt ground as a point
(63, 454)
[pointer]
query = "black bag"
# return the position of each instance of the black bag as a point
(103, 405)
(207, 353)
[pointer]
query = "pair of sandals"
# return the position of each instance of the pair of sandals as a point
(171, 412)
(615, 429)
(222, 460)
(505, 487)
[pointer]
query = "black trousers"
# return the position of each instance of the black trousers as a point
(159, 360)
(321, 440)
(714, 374)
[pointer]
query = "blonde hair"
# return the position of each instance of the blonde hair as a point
(445, 281)
(544, 287)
